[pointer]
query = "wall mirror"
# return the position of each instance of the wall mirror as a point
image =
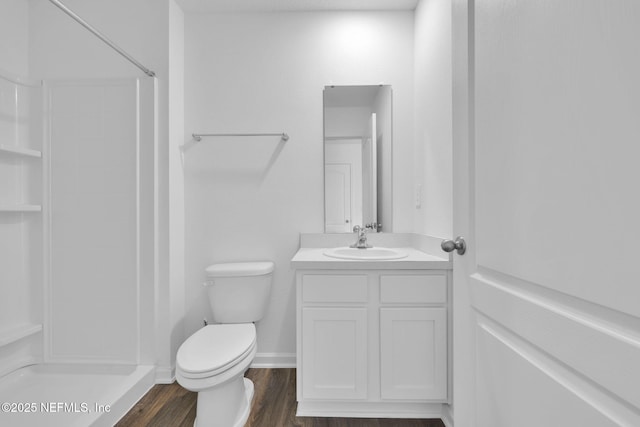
(357, 157)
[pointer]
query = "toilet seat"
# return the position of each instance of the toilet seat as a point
(215, 349)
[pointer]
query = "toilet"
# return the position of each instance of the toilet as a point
(212, 361)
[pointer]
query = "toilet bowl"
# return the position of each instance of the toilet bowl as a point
(213, 360)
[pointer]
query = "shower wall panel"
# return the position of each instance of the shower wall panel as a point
(93, 286)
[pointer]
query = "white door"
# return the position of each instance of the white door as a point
(337, 182)
(546, 152)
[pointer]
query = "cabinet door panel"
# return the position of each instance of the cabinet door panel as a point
(334, 353)
(413, 353)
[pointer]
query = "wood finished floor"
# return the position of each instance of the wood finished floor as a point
(274, 405)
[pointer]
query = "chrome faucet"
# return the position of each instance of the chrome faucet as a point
(361, 243)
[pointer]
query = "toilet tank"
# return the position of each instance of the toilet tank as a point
(239, 291)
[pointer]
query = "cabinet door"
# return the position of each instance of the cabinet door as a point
(334, 353)
(413, 353)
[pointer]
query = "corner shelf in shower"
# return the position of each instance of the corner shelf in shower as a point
(20, 208)
(18, 333)
(19, 151)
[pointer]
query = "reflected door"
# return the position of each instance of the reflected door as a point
(337, 181)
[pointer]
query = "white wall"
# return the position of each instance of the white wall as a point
(346, 121)
(14, 37)
(433, 117)
(249, 198)
(61, 48)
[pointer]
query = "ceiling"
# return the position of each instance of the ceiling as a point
(293, 5)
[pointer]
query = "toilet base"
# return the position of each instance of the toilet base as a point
(208, 405)
(249, 391)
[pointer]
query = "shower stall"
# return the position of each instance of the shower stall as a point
(78, 265)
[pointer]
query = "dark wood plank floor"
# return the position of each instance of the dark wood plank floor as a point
(274, 405)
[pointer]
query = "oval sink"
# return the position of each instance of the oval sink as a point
(378, 254)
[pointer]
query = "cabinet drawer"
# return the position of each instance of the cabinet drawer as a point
(423, 288)
(334, 288)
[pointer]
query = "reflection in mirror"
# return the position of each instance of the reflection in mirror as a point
(357, 157)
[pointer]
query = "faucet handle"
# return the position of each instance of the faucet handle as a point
(356, 228)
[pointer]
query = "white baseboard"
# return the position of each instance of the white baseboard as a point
(369, 409)
(274, 360)
(165, 374)
(447, 416)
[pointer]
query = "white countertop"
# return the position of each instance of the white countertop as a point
(314, 258)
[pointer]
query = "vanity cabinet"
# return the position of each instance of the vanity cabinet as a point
(372, 343)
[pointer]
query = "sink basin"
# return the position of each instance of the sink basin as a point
(377, 253)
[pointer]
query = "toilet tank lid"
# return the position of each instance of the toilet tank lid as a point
(238, 269)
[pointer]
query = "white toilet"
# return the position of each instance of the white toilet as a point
(213, 361)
